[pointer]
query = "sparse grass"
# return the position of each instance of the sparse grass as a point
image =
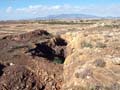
(56, 22)
(89, 45)
(64, 22)
(100, 45)
(18, 47)
(112, 26)
(86, 44)
(58, 60)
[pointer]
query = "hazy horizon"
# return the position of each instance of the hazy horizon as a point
(25, 9)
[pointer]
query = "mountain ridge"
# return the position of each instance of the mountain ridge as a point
(69, 16)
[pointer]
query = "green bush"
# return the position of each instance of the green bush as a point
(58, 60)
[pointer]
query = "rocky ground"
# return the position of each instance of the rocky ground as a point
(76, 59)
(31, 61)
(93, 60)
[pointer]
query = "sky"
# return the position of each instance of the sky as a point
(26, 9)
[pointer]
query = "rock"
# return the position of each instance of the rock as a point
(116, 60)
(11, 64)
(99, 63)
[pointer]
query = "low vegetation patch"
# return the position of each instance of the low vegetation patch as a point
(100, 45)
(86, 44)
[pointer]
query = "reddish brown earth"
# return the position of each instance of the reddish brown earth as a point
(31, 61)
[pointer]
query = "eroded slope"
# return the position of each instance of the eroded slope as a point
(31, 61)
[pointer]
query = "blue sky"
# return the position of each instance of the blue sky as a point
(21, 9)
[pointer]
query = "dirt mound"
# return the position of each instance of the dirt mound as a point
(32, 61)
(28, 36)
(19, 78)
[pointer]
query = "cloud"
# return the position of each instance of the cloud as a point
(59, 9)
(37, 9)
(44, 10)
(9, 9)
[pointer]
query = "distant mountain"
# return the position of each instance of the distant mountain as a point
(111, 17)
(68, 16)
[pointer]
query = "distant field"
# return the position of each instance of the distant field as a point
(55, 26)
(77, 50)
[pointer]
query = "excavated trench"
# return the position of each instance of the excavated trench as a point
(51, 50)
(32, 61)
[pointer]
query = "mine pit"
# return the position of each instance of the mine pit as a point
(1, 69)
(36, 55)
(46, 55)
(54, 50)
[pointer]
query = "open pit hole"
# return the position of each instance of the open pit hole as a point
(53, 50)
(1, 69)
(60, 42)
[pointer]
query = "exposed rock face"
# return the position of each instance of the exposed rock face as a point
(92, 62)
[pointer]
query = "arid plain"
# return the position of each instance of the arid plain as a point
(60, 54)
